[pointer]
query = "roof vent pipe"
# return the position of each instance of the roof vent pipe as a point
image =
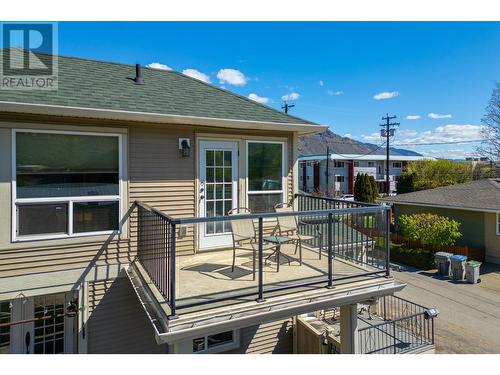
(138, 75)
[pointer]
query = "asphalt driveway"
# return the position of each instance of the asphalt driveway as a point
(469, 319)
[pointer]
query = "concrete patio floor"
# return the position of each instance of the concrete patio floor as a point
(208, 276)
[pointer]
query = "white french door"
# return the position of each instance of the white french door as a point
(218, 191)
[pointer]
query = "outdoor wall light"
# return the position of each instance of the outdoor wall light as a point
(185, 147)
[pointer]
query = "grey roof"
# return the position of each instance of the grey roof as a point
(104, 85)
(476, 195)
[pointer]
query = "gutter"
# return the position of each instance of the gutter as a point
(174, 331)
(111, 114)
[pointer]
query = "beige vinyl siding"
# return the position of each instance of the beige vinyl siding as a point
(268, 338)
(34, 260)
(160, 177)
(116, 322)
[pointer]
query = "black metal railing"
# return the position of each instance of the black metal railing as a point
(162, 239)
(358, 237)
(156, 249)
(398, 326)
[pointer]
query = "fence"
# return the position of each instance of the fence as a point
(471, 253)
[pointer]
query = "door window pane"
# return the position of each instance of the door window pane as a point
(46, 218)
(95, 216)
(62, 165)
(265, 166)
(210, 157)
(49, 335)
(5, 316)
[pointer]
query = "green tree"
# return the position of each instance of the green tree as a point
(430, 174)
(364, 190)
(430, 228)
(374, 189)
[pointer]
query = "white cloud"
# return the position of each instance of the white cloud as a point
(441, 134)
(437, 115)
(291, 96)
(321, 83)
(334, 93)
(386, 95)
(159, 66)
(232, 77)
(348, 135)
(257, 98)
(193, 73)
(412, 117)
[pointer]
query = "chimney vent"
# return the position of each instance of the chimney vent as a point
(138, 75)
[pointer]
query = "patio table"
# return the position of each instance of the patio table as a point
(278, 241)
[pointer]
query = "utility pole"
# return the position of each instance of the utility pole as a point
(387, 133)
(327, 171)
(287, 106)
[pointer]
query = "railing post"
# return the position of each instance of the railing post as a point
(330, 250)
(261, 263)
(387, 243)
(394, 335)
(172, 272)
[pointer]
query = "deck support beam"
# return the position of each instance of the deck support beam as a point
(349, 337)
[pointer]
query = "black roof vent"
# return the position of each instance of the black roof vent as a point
(138, 75)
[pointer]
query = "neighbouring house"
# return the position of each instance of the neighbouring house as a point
(115, 236)
(343, 169)
(476, 205)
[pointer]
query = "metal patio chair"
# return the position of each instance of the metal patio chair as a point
(289, 226)
(245, 237)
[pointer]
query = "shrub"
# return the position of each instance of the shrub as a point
(419, 258)
(430, 229)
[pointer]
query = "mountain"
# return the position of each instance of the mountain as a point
(317, 143)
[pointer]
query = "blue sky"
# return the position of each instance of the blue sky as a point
(334, 71)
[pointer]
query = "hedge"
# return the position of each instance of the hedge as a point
(419, 258)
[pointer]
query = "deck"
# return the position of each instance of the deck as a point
(208, 277)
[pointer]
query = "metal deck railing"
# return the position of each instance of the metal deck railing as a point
(341, 230)
(398, 326)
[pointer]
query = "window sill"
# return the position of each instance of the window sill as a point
(75, 238)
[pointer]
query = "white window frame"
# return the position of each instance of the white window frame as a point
(283, 190)
(69, 200)
(339, 164)
(356, 164)
(341, 177)
(235, 343)
(498, 224)
(400, 165)
(371, 164)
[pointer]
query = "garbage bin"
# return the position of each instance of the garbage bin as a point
(458, 267)
(442, 259)
(472, 271)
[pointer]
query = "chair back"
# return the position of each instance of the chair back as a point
(286, 223)
(242, 229)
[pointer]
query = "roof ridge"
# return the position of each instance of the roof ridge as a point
(164, 71)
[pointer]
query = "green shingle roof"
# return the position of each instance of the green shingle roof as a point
(105, 85)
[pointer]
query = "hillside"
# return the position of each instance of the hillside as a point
(316, 144)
